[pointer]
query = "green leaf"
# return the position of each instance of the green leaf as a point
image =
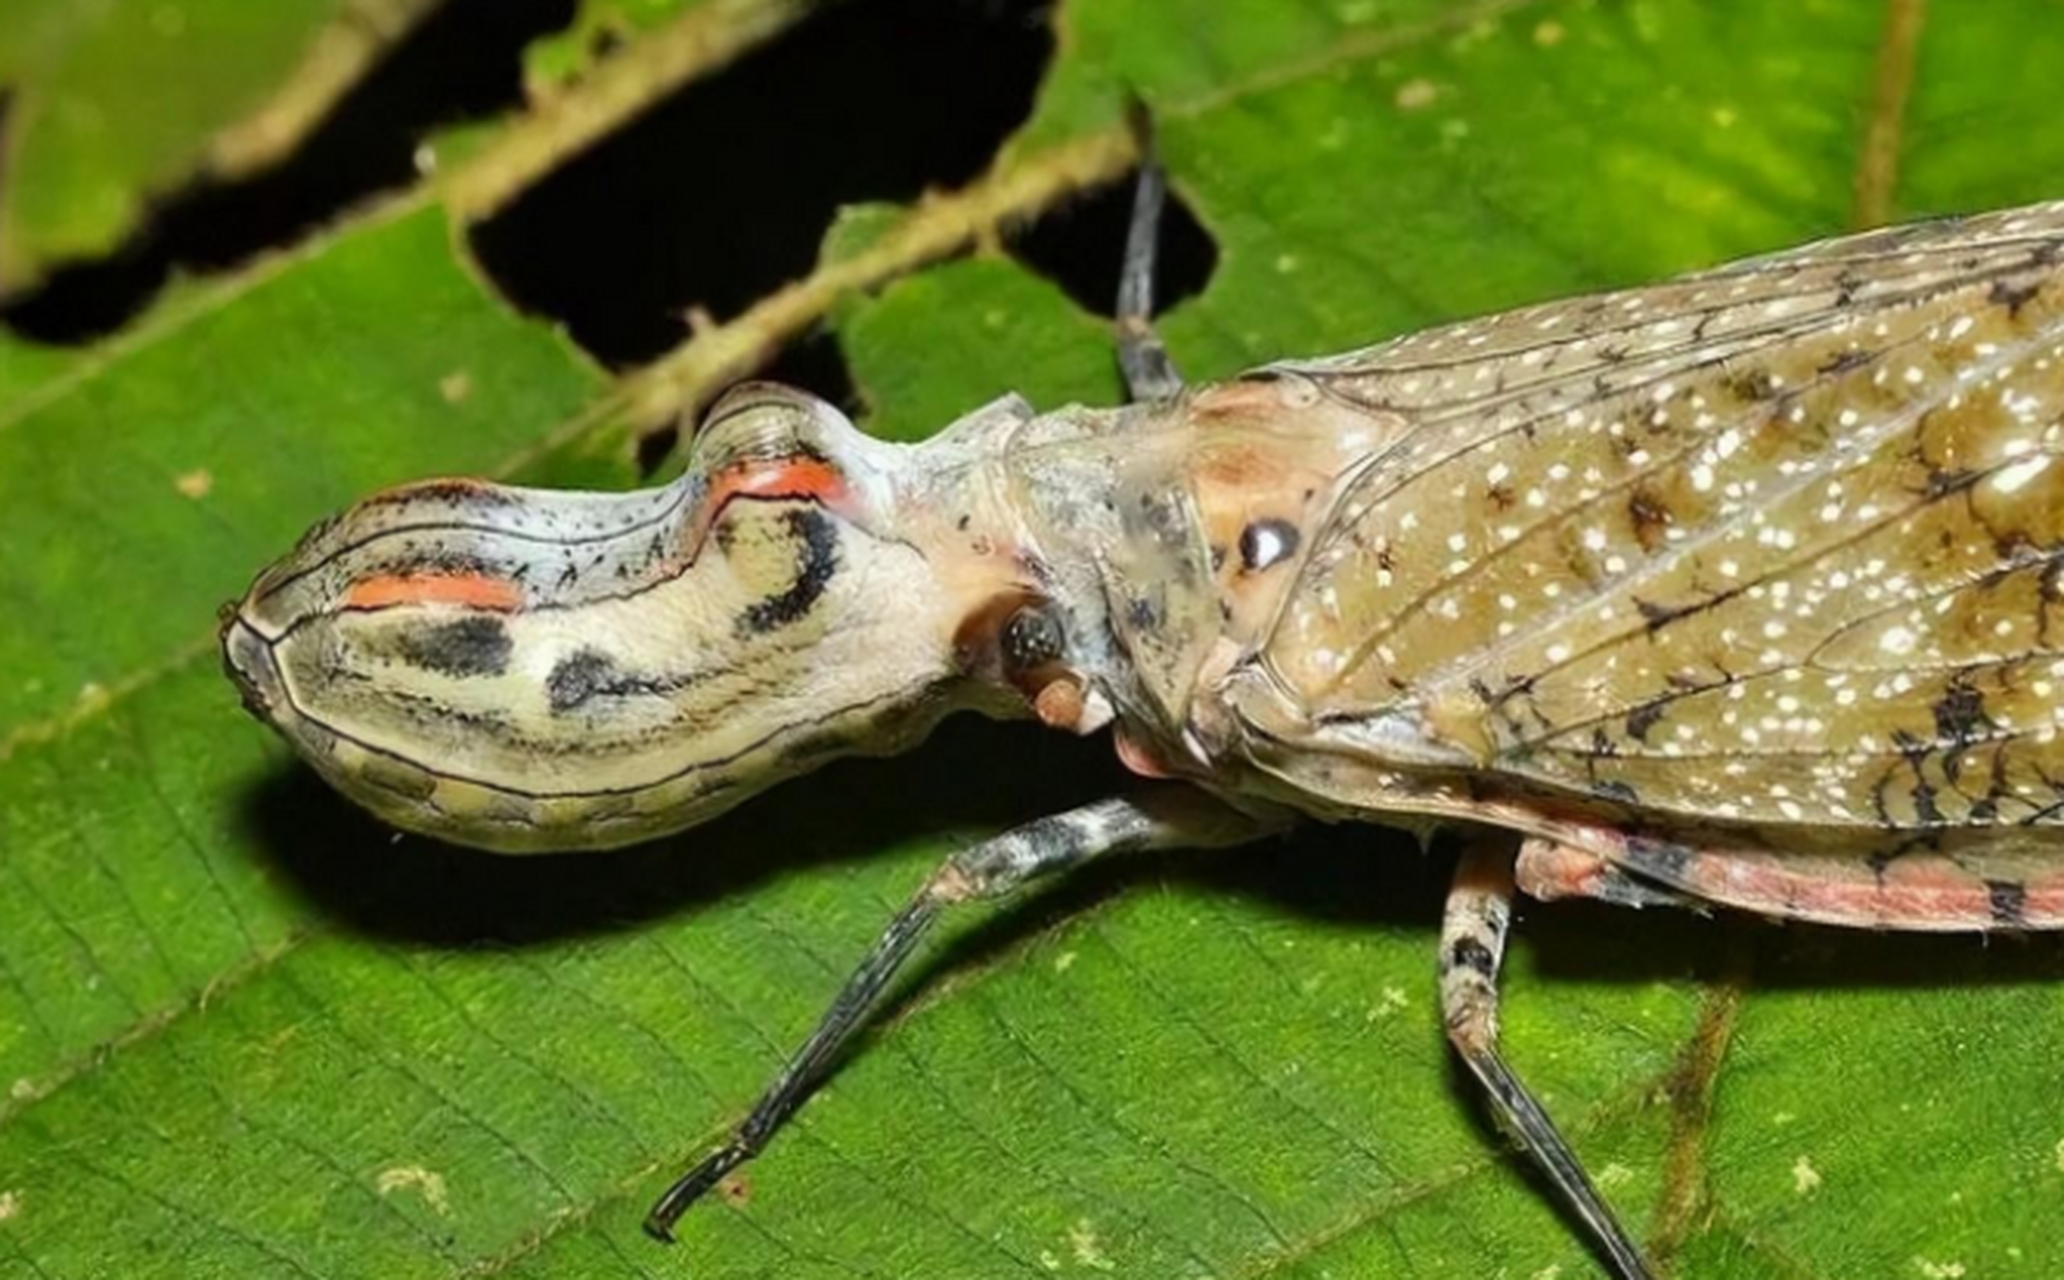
(25, 366)
(91, 133)
(940, 344)
(598, 29)
(247, 1033)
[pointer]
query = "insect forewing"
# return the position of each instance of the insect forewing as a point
(1776, 544)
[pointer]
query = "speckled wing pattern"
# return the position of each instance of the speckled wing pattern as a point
(1781, 544)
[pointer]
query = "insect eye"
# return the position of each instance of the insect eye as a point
(1032, 638)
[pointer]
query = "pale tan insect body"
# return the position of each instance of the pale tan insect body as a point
(1746, 588)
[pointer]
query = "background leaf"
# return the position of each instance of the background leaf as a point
(112, 104)
(598, 29)
(244, 1031)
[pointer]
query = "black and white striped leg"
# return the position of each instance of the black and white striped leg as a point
(1159, 819)
(1149, 372)
(1472, 946)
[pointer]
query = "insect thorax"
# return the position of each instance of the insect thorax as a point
(1171, 535)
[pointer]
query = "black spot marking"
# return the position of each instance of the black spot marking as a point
(586, 674)
(2007, 901)
(1659, 859)
(1925, 807)
(2013, 296)
(1961, 723)
(817, 541)
(1643, 718)
(1658, 616)
(1650, 518)
(1612, 789)
(1960, 714)
(1267, 543)
(1755, 385)
(1943, 481)
(1470, 954)
(579, 676)
(476, 646)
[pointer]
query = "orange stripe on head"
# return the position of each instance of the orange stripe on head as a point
(801, 476)
(474, 590)
(797, 476)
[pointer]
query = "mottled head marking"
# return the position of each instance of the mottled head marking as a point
(476, 645)
(816, 541)
(523, 669)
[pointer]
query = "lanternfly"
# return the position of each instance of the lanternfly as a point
(1745, 589)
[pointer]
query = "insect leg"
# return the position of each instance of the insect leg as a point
(1478, 916)
(1149, 372)
(1163, 818)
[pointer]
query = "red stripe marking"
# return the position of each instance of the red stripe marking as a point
(800, 476)
(1917, 892)
(476, 590)
(797, 476)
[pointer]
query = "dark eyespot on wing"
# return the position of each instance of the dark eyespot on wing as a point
(475, 646)
(817, 555)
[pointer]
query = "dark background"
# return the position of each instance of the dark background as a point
(714, 198)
